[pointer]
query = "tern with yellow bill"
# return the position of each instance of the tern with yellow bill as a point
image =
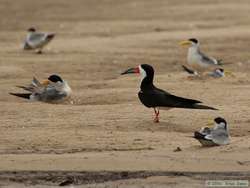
(198, 60)
(54, 89)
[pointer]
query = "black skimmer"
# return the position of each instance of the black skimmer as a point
(36, 41)
(153, 97)
(219, 135)
(54, 89)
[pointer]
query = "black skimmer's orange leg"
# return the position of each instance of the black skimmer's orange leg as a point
(157, 113)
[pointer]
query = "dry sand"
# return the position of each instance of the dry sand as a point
(106, 128)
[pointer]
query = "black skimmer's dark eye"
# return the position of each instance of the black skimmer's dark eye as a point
(32, 29)
(131, 71)
(55, 78)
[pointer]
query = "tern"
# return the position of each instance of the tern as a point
(37, 41)
(196, 59)
(219, 135)
(153, 97)
(54, 89)
(216, 73)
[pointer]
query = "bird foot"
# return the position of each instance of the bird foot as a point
(39, 52)
(156, 120)
(157, 113)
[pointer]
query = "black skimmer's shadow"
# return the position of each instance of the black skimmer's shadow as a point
(164, 126)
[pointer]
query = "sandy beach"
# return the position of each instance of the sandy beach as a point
(104, 127)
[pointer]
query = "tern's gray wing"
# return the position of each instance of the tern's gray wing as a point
(26, 46)
(52, 93)
(201, 137)
(208, 60)
(215, 74)
(205, 130)
(36, 40)
(220, 136)
(34, 87)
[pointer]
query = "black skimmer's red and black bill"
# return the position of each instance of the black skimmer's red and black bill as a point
(153, 97)
(219, 135)
(53, 89)
(36, 40)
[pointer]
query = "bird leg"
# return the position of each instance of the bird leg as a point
(157, 113)
(39, 51)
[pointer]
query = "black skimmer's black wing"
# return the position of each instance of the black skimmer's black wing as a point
(154, 97)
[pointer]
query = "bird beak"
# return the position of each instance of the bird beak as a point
(45, 82)
(228, 73)
(132, 71)
(185, 43)
(210, 123)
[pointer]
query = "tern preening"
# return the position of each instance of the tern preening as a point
(153, 97)
(37, 40)
(196, 59)
(54, 89)
(219, 135)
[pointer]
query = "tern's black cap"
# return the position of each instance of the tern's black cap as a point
(194, 40)
(55, 78)
(32, 29)
(220, 120)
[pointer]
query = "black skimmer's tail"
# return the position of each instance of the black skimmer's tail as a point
(204, 107)
(153, 97)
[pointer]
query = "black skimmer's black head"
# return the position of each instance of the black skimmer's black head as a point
(55, 78)
(220, 123)
(147, 74)
(32, 29)
(145, 70)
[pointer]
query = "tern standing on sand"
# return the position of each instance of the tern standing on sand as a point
(197, 60)
(37, 41)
